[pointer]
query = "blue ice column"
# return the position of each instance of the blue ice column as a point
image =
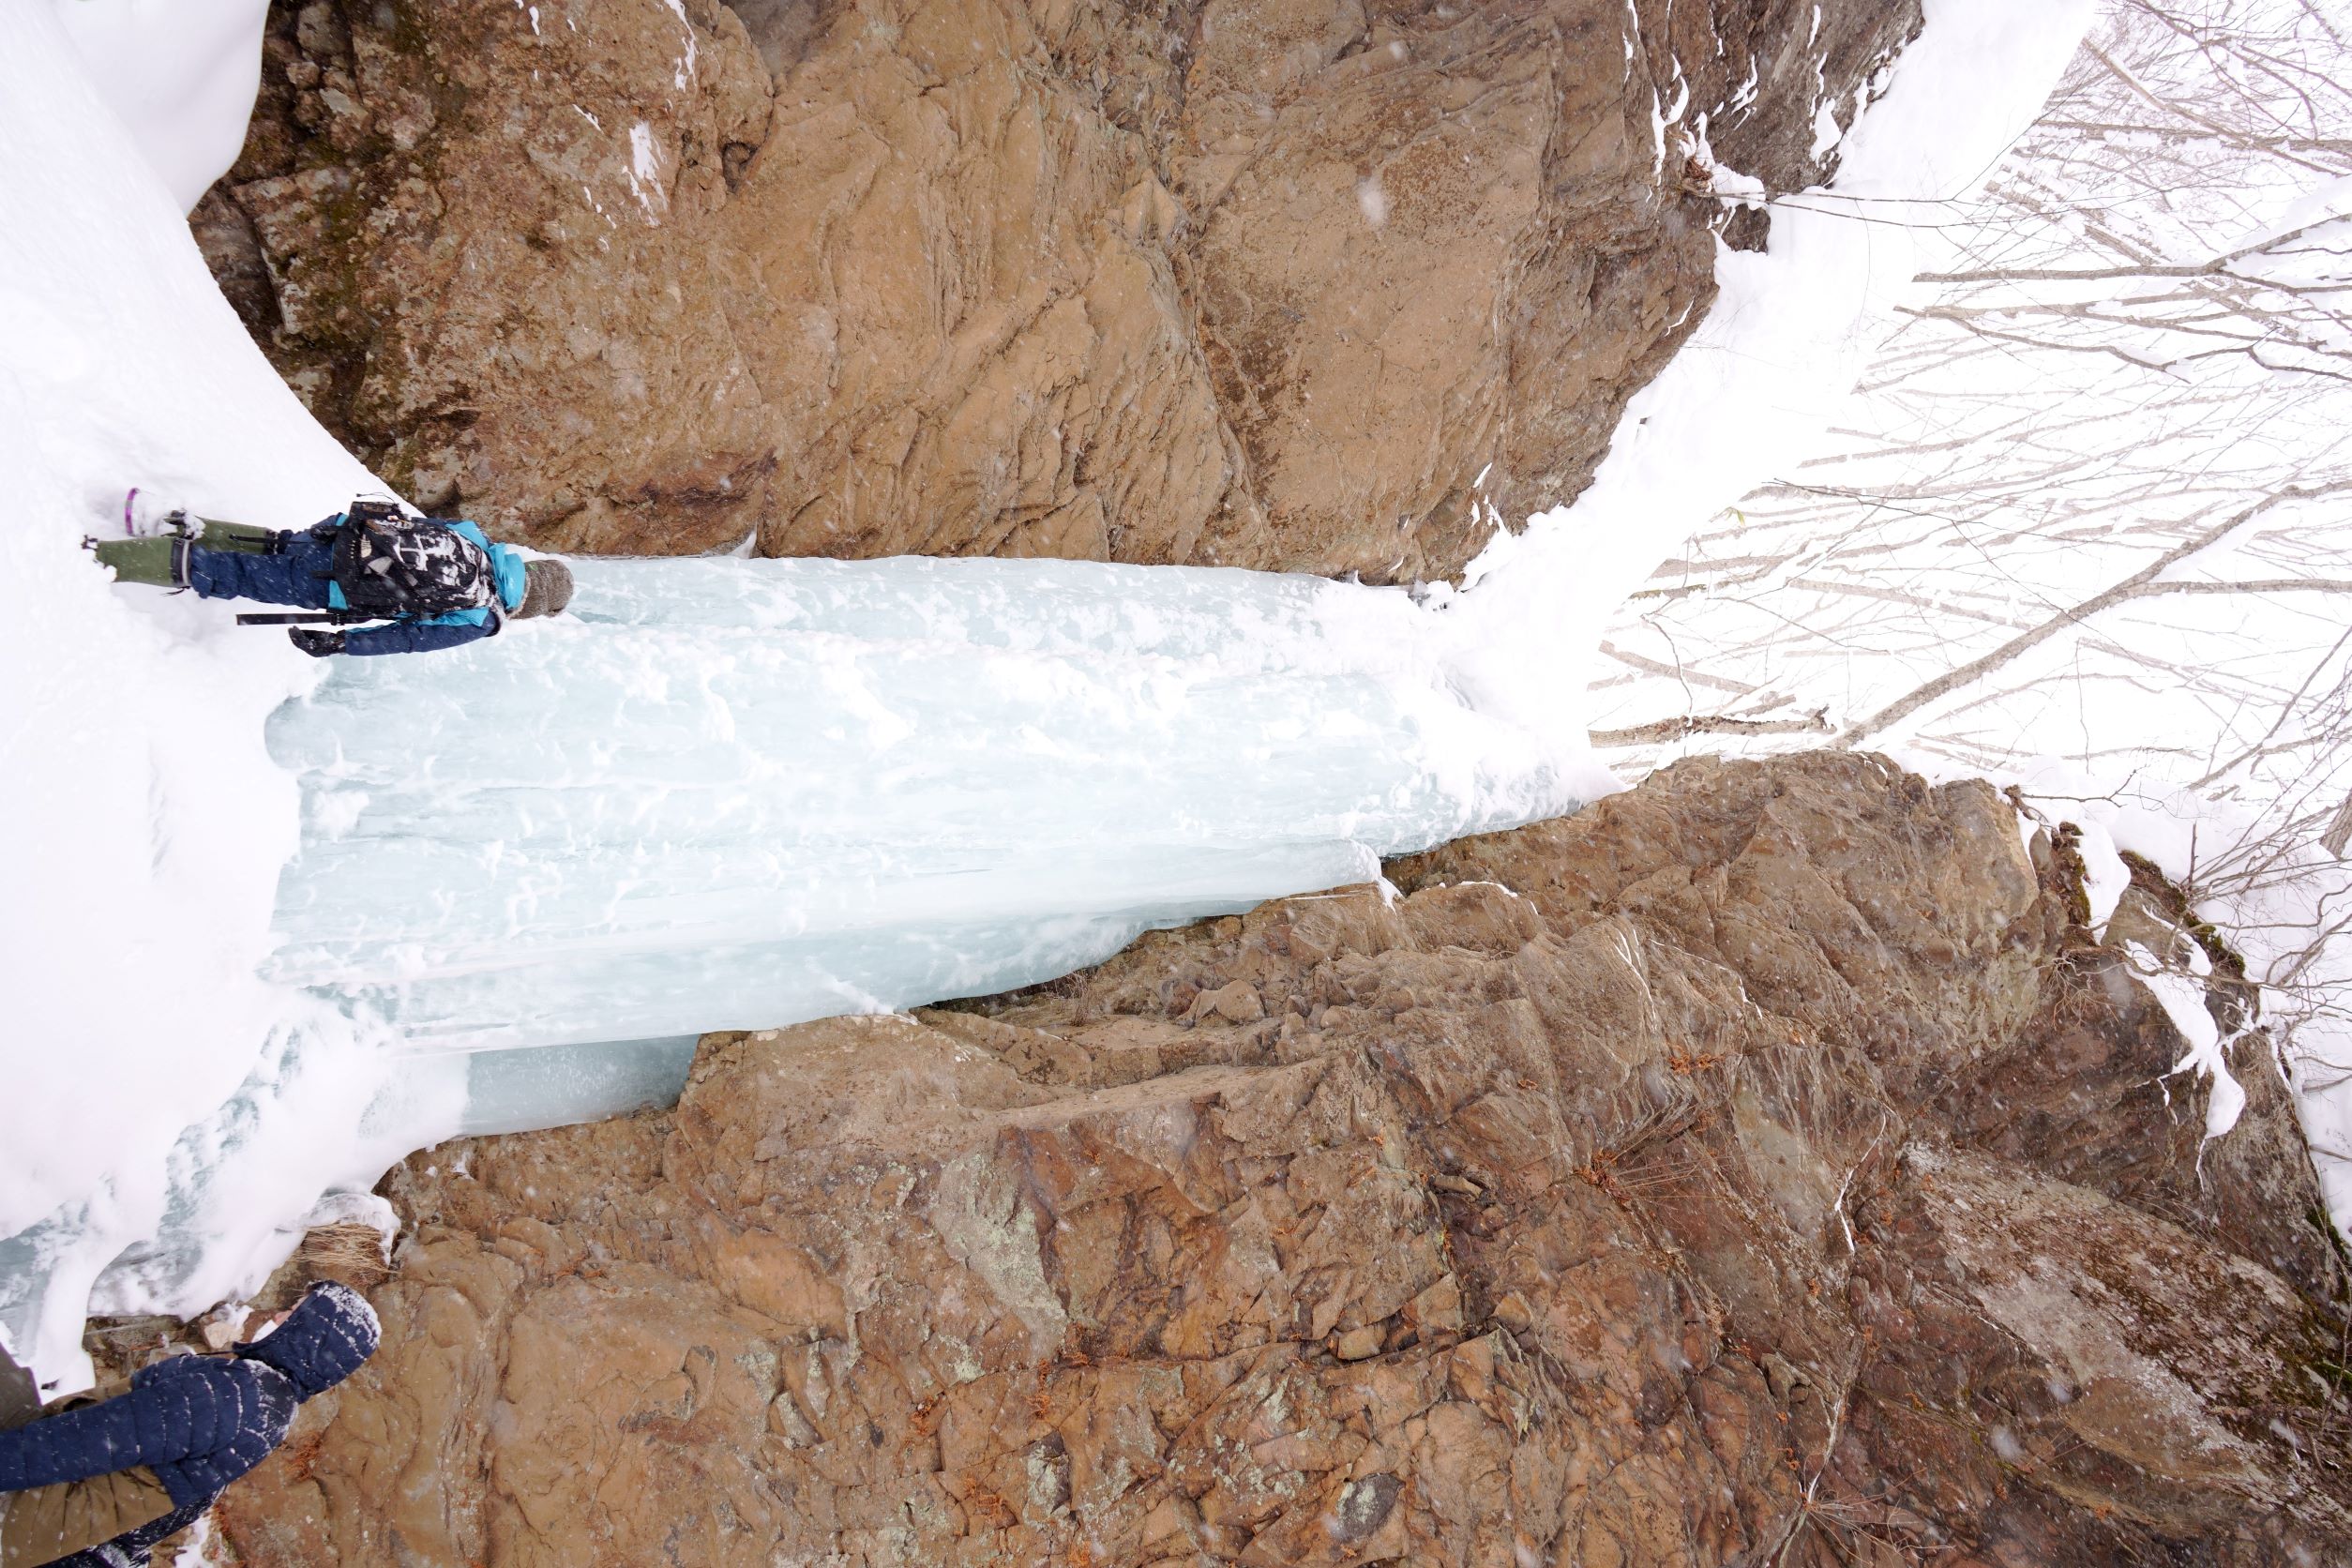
(738, 793)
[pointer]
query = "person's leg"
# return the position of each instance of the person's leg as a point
(297, 576)
(237, 569)
(150, 560)
(215, 534)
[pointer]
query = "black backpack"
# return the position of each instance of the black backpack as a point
(387, 563)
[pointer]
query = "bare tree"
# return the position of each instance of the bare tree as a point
(2095, 499)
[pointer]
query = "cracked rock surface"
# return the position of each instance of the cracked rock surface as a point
(1321, 285)
(1758, 1166)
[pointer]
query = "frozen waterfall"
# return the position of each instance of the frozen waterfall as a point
(505, 885)
(740, 794)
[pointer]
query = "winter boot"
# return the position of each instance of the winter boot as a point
(145, 516)
(161, 561)
(148, 516)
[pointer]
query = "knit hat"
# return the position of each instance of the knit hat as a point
(322, 1340)
(547, 589)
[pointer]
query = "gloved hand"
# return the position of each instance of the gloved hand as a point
(318, 645)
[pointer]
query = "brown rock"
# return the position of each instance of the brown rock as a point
(1758, 1166)
(1283, 284)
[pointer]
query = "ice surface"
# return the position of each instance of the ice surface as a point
(736, 794)
(554, 1086)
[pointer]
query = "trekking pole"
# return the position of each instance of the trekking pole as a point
(329, 619)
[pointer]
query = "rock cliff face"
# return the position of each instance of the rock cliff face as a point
(1287, 284)
(1757, 1167)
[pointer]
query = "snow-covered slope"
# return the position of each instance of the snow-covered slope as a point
(179, 74)
(145, 824)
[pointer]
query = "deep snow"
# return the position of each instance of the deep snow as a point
(144, 822)
(176, 1114)
(179, 74)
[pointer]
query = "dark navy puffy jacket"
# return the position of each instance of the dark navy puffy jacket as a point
(200, 1422)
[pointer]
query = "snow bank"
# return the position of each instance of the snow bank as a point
(179, 74)
(146, 823)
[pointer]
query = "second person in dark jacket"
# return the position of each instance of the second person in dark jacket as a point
(100, 1487)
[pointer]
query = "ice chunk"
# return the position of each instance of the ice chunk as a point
(552, 1086)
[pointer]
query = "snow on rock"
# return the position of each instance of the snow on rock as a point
(2286, 922)
(2183, 998)
(2105, 875)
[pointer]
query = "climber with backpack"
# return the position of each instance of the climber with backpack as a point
(427, 583)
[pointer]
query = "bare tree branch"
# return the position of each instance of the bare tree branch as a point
(1975, 670)
(1708, 724)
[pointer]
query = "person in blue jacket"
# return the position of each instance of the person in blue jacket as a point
(426, 583)
(100, 1487)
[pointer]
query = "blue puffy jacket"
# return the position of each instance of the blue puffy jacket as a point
(200, 1422)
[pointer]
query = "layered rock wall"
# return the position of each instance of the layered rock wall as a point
(1309, 284)
(1761, 1167)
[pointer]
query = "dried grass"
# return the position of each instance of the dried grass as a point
(350, 1252)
